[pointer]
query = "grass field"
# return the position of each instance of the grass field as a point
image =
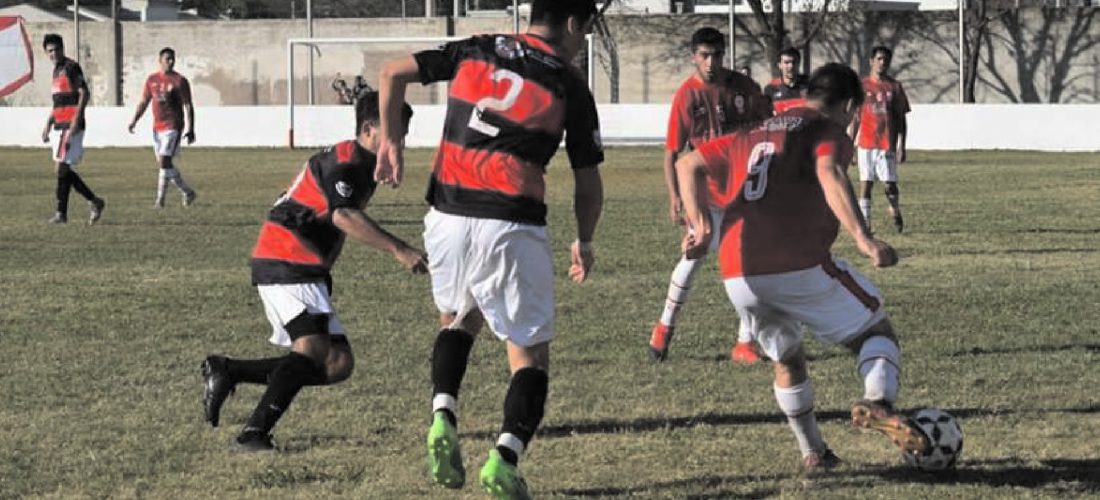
(103, 329)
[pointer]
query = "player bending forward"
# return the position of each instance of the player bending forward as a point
(301, 238)
(792, 194)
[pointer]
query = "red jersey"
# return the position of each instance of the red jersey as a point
(298, 242)
(777, 220)
(67, 81)
(702, 111)
(783, 96)
(512, 98)
(884, 103)
(167, 92)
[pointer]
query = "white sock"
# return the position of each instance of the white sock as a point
(162, 183)
(510, 441)
(744, 332)
(445, 402)
(880, 366)
(678, 288)
(865, 208)
(797, 403)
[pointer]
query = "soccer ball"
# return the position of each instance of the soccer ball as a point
(946, 438)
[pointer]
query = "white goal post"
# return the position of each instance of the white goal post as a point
(313, 42)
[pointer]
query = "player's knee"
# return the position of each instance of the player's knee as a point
(791, 369)
(881, 329)
(341, 362)
(892, 189)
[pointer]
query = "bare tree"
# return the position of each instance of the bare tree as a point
(770, 32)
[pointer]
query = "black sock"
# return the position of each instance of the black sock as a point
(253, 371)
(80, 187)
(295, 372)
(64, 186)
(523, 408)
(893, 195)
(450, 354)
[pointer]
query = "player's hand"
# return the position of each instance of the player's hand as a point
(582, 256)
(675, 214)
(46, 134)
(190, 136)
(880, 252)
(391, 163)
(131, 126)
(696, 242)
(901, 155)
(413, 259)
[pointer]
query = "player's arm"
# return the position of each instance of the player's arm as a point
(903, 133)
(142, 104)
(49, 125)
(842, 201)
(587, 207)
(691, 173)
(675, 138)
(360, 227)
(82, 96)
(396, 75)
(674, 201)
(188, 112)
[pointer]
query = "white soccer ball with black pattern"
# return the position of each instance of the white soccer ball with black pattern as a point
(946, 437)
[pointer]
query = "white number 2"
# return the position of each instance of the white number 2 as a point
(759, 161)
(495, 104)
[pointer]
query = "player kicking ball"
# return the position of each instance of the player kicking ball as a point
(291, 263)
(173, 119)
(790, 195)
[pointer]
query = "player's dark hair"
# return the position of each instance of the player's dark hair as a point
(791, 52)
(557, 12)
(708, 36)
(367, 112)
(835, 83)
(882, 49)
(167, 50)
(52, 39)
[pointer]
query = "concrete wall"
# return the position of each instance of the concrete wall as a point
(1066, 127)
(244, 62)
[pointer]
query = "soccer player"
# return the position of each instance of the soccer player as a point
(70, 98)
(291, 263)
(711, 102)
(512, 97)
(789, 88)
(882, 131)
(173, 117)
(789, 195)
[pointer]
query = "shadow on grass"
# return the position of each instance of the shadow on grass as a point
(1041, 349)
(1007, 472)
(705, 481)
(1023, 251)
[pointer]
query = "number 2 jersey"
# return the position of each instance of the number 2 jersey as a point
(512, 98)
(777, 219)
(298, 242)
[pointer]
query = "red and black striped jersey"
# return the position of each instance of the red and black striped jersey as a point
(512, 98)
(68, 79)
(298, 242)
(783, 96)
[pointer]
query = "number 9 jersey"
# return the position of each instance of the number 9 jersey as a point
(777, 219)
(511, 100)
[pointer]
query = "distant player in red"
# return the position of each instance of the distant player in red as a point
(70, 98)
(711, 102)
(512, 99)
(173, 118)
(790, 194)
(881, 133)
(299, 242)
(788, 90)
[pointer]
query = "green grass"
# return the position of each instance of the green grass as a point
(103, 329)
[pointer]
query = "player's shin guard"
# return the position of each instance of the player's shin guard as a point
(523, 409)
(176, 178)
(893, 196)
(865, 209)
(295, 372)
(450, 354)
(797, 403)
(678, 289)
(880, 366)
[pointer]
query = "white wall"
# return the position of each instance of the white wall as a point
(1058, 127)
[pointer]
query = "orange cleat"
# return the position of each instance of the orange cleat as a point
(659, 341)
(745, 353)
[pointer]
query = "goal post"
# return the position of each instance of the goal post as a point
(415, 43)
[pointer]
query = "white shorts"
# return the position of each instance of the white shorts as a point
(835, 302)
(877, 165)
(503, 268)
(166, 143)
(68, 147)
(283, 303)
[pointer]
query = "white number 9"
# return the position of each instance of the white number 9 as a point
(759, 161)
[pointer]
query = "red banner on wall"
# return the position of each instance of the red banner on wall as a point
(16, 55)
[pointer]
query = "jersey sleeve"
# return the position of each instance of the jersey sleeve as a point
(582, 127)
(76, 77)
(678, 118)
(441, 63)
(185, 92)
(346, 186)
(834, 143)
(716, 154)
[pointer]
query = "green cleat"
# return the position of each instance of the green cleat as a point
(502, 480)
(444, 454)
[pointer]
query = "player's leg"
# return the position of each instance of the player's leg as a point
(61, 191)
(163, 163)
(450, 356)
(795, 395)
(894, 197)
(168, 146)
(887, 170)
(679, 286)
(524, 407)
(866, 159)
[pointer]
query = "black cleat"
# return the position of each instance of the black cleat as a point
(253, 440)
(96, 211)
(216, 387)
(899, 224)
